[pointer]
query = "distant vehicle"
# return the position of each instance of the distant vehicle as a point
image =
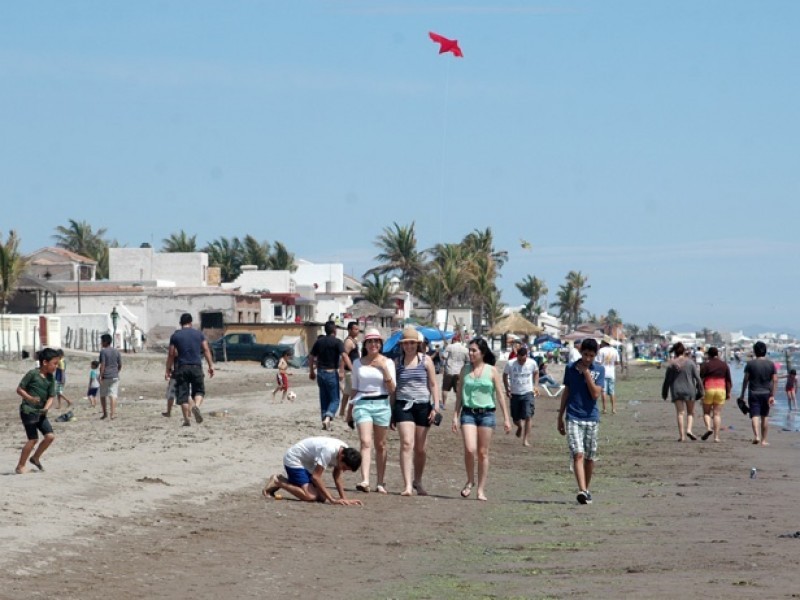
(243, 346)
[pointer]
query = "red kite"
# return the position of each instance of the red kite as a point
(446, 45)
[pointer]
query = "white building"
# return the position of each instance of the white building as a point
(165, 269)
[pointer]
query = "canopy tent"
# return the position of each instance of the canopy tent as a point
(547, 338)
(515, 323)
(431, 334)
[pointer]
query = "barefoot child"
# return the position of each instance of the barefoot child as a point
(37, 390)
(94, 383)
(282, 375)
(61, 381)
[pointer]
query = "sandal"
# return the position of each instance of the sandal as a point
(381, 488)
(363, 487)
(466, 491)
(691, 436)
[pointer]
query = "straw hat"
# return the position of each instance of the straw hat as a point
(372, 334)
(410, 334)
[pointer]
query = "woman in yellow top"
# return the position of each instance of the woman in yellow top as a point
(479, 392)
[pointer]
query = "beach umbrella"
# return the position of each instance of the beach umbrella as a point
(515, 323)
(431, 334)
(549, 346)
(544, 338)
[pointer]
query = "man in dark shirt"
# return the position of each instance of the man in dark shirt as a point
(351, 349)
(762, 378)
(326, 358)
(187, 347)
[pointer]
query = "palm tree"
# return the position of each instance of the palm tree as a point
(12, 264)
(399, 254)
(281, 259)
(632, 330)
(481, 286)
(533, 289)
(652, 332)
(254, 252)
(482, 242)
(570, 298)
(494, 309)
(377, 290)
(227, 255)
(179, 242)
(78, 237)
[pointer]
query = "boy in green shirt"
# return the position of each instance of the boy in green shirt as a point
(37, 390)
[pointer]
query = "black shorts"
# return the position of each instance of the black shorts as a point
(759, 404)
(418, 413)
(189, 379)
(449, 382)
(521, 406)
(34, 424)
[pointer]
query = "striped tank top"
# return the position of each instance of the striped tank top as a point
(412, 383)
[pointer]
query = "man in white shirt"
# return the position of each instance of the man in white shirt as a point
(574, 354)
(608, 357)
(455, 355)
(305, 463)
(521, 381)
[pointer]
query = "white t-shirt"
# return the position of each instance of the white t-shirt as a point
(574, 354)
(368, 380)
(312, 452)
(456, 357)
(520, 377)
(608, 357)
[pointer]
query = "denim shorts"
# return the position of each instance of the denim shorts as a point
(377, 412)
(478, 417)
(609, 387)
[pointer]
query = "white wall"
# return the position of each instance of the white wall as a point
(276, 282)
(309, 274)
(186, 269)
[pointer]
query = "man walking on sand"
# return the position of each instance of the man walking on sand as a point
(521, 382)
(351, 350)
(326, 363)
(110, 366)
(187, 348)
(455, 357)
(762, 379)
(583, 382)
(306, 462)
(608, 357)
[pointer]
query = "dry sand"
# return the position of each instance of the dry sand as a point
(144, 508)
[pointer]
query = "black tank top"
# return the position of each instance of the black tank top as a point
(353, 354)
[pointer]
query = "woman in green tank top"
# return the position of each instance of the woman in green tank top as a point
(479, 393)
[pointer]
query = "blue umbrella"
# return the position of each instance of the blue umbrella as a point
(430, 333)
(549, 346)
(546, 338)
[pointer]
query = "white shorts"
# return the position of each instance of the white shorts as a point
(109, 388)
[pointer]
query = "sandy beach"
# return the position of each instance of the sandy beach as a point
(144, 508)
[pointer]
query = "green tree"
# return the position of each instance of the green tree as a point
(179, 242)
(79, 237)
(570, 298)
(652, 332)
(399, 254)
(12, 264)
(254, 252)
(227, 255)
(281, 259)
(632, 330)
(376, 290)
(534, 289)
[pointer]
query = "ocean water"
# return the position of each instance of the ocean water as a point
(779, 415)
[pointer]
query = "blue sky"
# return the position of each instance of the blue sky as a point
(650, 145)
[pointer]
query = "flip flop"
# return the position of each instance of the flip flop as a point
(36, 463)
(381, 488)
(466, 491)
(691, 436)
(706, 435)
(363, 487)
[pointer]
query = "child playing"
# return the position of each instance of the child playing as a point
(583, 384)
(94, 383)
(37, 390)
(282, 376)
(791, 389)
(61, 380)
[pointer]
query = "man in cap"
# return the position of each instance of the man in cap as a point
(187, 347)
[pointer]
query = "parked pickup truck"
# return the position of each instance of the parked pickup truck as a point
(243, 346)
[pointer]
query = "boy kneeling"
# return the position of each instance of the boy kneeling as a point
(305, 463)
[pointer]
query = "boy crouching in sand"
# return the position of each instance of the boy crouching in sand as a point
(305, 463)
(37, 390)
(583, 384)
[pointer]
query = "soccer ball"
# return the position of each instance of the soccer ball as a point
(291, 395)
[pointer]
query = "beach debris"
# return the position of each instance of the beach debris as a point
(753, 473)
(446, 45)
(146, 479)
(795, 535)
(218, 413)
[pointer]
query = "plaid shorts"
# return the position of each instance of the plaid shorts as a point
(582, 438)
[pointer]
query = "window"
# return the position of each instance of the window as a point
(277, 311)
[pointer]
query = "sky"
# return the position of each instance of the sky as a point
(650, 145)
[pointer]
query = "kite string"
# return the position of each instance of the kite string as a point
(445, 105)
